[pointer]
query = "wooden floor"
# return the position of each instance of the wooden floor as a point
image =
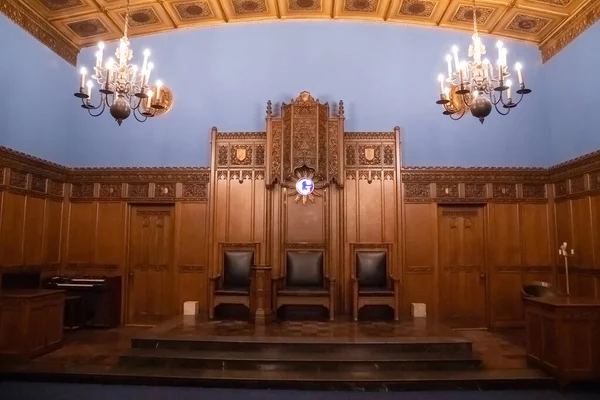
(409, 354)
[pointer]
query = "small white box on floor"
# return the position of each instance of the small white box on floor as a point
(419, 310)
(190, 308)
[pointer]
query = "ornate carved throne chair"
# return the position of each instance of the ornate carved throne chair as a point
(304, 280)
(231, 285)
(373, 282)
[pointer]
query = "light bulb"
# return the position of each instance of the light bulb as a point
(110, 63)
(135, 68)
(454, 48)
(499, 44)
(486, 61)
(509, 83)
(83, 71)
(101, 45)
(90, 84)
(448, 57)
(440, 78)
(146, 53)
(518, 66)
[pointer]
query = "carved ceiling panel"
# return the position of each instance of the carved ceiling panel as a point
(75, 24)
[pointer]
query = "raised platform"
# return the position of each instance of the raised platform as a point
(341, 355)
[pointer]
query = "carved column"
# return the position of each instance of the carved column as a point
(261, 311)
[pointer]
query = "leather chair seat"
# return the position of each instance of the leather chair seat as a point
(375, 291)
(233, 291)
(303, 291)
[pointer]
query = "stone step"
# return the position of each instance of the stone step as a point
(275, 360)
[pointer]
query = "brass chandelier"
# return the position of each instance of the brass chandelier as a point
(122, 89)
(476, 85)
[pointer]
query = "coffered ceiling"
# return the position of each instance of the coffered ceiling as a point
(79, 23)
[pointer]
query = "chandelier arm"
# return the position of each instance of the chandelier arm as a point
(465, 102)
(520, 99)
(459, 117)
(88, 106)
(495, 100)
(100, 112)
(138, 119)
(500, 112)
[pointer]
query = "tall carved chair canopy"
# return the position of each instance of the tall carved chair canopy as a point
(305, 280)
(232, 284)
(372, 280)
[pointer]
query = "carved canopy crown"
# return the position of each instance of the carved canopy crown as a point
(306, 136)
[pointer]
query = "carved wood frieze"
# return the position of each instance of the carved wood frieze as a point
(534, 191)
(307, 246)
(164, 190)
(446, 190)
(187, 269)
(474, 174)
(138, 190)
(134, 174)
(595, 181)
(82, 190)
(237, 136)
(454, 269)
(475, 190)
(334, 147)
(369, 154)
(260, 155)
(18, 179)
(240, 154)
(197, 191)
(350, 155)
(388, 155)
(417, 191)
(419, 269)
(55, 188)
(151, 267)
(38, 183)
(277, 129)
(222, 155)
(504, 191)
(111, 190)
(560, 188)
(92, 266)
(577, 184)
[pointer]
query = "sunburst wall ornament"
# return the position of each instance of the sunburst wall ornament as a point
(305, 184)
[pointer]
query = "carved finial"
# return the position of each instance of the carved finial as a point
(341, 109)
(269, 109)
(214, 129)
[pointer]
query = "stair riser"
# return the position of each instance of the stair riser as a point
(325, 348)
(290, 365)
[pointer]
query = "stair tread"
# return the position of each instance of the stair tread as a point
(274, 355)
(192, 374)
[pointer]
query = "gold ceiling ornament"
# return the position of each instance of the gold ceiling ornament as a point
(122, 89)
(479, 86)
(159, 106)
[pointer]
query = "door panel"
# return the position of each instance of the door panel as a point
(150, 288)
(462, 267)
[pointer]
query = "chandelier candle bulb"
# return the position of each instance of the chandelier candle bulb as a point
(447, 93)
(449, 61)
(89, 87)
(519, 69)
(145, 63)
(456, 62)
(440, 78)
(508, 94)
(158, 86)
(150, 66)
(149, 103)
(83, 72)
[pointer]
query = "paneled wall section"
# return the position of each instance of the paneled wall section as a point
(78, 220)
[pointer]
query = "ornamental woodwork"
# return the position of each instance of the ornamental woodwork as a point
(577, 184)
(534, 191)
(18, 179)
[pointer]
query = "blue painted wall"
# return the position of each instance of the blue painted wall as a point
(34, 86)
(572, 86)
(386, 75)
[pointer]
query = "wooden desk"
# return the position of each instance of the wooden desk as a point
(563, 336)
(31, 321)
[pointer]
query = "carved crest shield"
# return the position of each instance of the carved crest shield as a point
(240, 153)
(369, 153)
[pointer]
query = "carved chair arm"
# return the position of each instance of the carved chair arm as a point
(214, 278)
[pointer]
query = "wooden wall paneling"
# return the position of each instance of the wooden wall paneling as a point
(240, 210)
(595, 220)
(53, 229)
(564, 233)
(110, 235)
(506, 307)
(33, 238)
(350, 233)
(192, 254)
(81, 232)
(420, 237)
(582, 233)
(12, 232)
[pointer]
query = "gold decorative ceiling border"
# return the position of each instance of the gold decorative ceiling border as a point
(573, 27)
(562, 28)
(40, 29)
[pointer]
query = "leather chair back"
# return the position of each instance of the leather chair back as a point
(371, 268)
(236, 268)
(304, 269)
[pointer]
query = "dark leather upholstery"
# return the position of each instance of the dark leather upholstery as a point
(236, 269)
(304, 269)
(371, 269)
(375, 291)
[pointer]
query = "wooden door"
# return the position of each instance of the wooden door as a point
(150, 278)
(462, 267)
